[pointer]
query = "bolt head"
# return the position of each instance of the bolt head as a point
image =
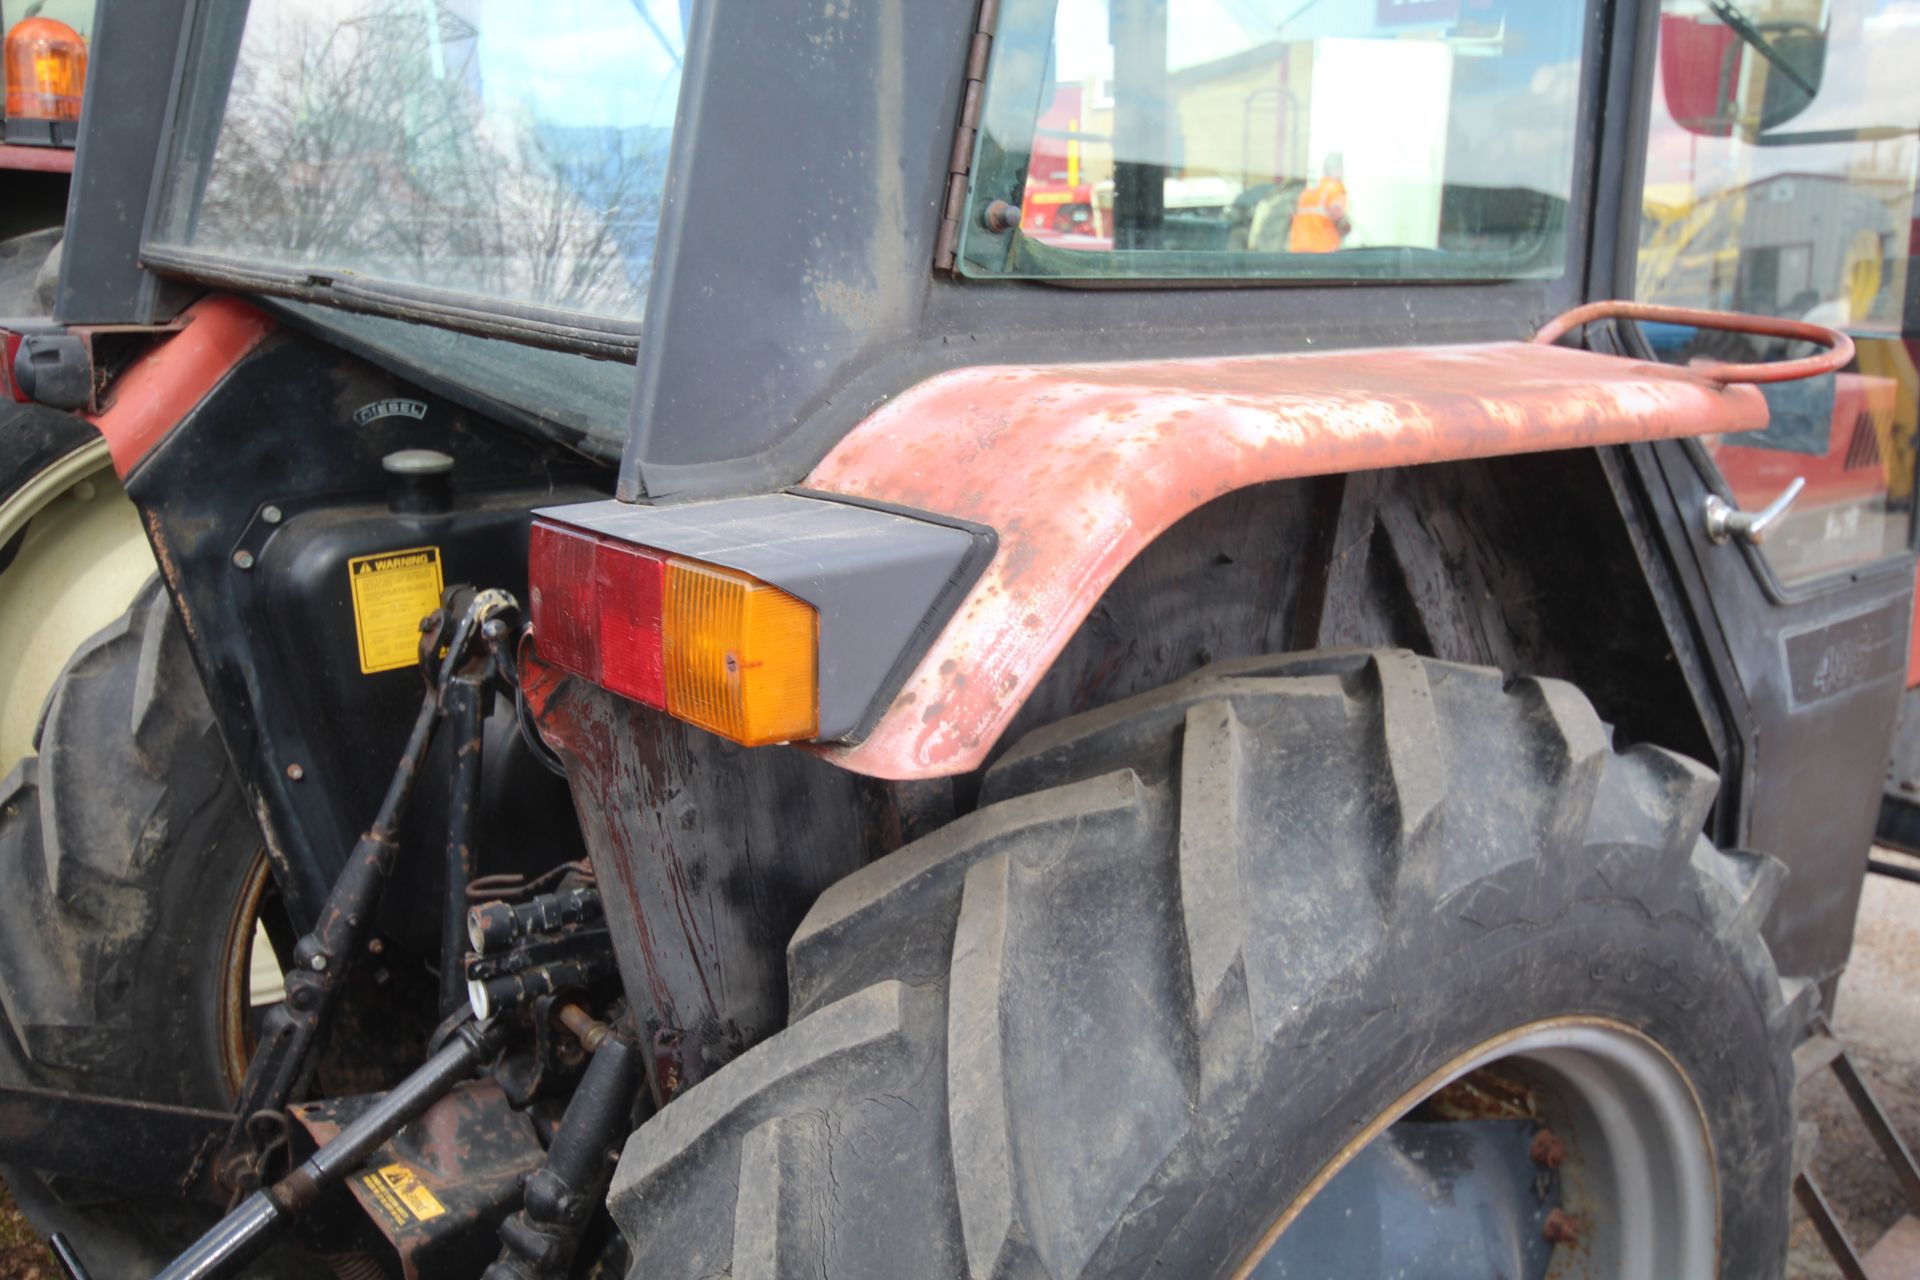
(243, 559)
(295, 772)
(1547, 1150)
(271, 514)
(318, 964)
(1000, 215)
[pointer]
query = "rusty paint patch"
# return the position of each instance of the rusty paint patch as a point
(1485, 1094)
(1037, 453)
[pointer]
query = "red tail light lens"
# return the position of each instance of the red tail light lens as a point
(631, 586)
(9, 352)
(596, 610)
(562, 598)
(706, 644)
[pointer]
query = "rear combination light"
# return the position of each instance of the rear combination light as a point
(706, 644)
(779, 617)
(46, 69)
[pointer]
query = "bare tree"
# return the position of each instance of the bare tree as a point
(372, 146)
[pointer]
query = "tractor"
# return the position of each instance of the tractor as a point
(687, 638)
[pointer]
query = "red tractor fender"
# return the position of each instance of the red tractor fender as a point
(1080, 467)
(159, 389)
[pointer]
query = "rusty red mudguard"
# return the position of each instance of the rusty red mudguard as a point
(150, 398)
(1079, 467)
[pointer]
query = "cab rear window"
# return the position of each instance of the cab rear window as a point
(1342, 139)
(511, 152)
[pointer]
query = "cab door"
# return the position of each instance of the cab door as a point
(1780, 181)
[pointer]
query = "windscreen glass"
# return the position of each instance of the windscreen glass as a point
(497, 148)
(1358, 139)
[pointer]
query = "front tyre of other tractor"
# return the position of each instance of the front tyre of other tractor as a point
(1348, 964)
(133, 879)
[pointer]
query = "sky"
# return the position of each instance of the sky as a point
(584, 62)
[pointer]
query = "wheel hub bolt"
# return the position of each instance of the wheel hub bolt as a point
(1547, 1150)
(1559, 1228)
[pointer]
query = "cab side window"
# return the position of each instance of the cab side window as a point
(1781, 181)
(1236, 139)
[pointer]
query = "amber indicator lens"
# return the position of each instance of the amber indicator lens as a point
(46, 70)
(741, 656)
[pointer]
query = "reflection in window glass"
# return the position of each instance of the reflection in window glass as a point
(1344, 138)
(492, 147)
(1781, 182)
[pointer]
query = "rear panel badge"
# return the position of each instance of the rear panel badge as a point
(397, 407)
(1834, 658)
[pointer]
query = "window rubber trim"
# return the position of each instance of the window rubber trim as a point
(550, 327)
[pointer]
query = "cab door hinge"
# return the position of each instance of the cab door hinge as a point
(960, 159)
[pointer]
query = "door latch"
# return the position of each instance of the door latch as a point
(1724, 520)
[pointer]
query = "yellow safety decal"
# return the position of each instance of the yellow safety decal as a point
(382, 1196)
(392, 591)
(398, 1192)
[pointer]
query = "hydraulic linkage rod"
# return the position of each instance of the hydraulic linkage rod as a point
(284, 1056)
(240, 1237)
(539, 1241)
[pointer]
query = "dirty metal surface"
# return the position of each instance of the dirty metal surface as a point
(157, 391)
(135, 1146)
(437, 1192)
(1431, 1199)
(706, 856)
(1079, 467)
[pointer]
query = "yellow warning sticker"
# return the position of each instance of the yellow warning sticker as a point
(382, 1195)
(392, 591)
(400, 1195)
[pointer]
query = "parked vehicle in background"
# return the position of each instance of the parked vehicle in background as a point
(43, 55)
(814, 649)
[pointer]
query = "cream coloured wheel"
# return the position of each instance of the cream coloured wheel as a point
(72, 555)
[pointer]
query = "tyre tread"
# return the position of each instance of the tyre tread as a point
(962, 922)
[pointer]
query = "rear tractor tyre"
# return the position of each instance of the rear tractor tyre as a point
(1198, 949)
(132, 875)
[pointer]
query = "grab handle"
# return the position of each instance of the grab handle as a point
(1838, 354)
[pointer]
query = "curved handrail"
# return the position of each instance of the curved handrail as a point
(1838, 354)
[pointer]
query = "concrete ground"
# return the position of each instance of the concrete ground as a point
(1878, 1018)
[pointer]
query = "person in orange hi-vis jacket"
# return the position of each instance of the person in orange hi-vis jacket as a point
(1320, 219)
